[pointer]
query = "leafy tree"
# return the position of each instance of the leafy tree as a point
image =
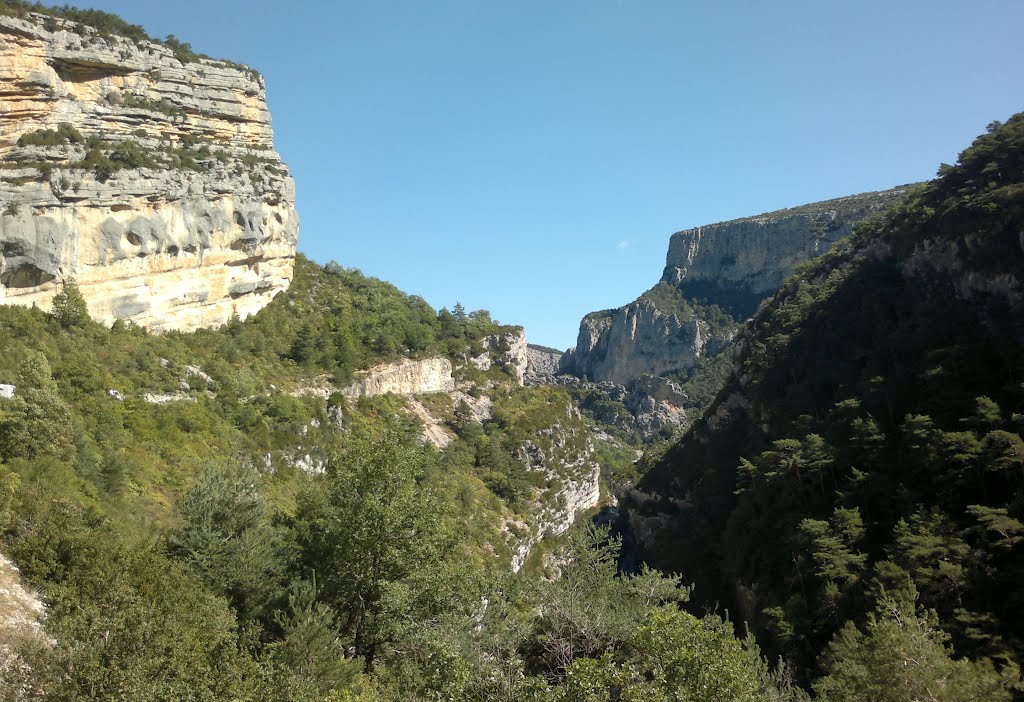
(674, 656)
(373, 535)
(588, 611)
(130, 625)
(37, 421)
(902, 655)
(8, 488)
(304, 347)
(310, 648)
(226, 539)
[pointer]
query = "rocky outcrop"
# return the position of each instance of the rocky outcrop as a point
(542, 365)
(508, 351)
(564, 455)
(738, 263)
(733, 265)
(632, 341)
(512, 352)
(404, 378)
(148, 181)
(434, 431)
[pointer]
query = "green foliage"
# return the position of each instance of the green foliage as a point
(105, 161)
(686, 658)
(373, 538)
(37, 421)
(588, 610)
(310, 646)
(702, 383)
(164, 105)
(226, 539)
(867, 437)
(69, 307)
(65, 133)
(182, 49)
(902, 655)
(669, 300)
(127, 623)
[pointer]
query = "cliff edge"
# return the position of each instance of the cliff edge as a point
(715, 276)
(142, 172)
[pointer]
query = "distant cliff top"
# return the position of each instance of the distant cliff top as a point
(848, 205)
(715, 276)
(737, 263)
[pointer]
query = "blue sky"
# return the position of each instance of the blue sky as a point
(533, 157)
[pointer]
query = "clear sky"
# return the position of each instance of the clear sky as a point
(532, 157)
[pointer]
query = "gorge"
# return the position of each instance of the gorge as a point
(792, 469)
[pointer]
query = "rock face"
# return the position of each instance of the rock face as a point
(542, 365)
(404, 378)
(148, 181)
(564, 455)
(733, 265)
(742, 261)
(632, 341)
(506, 350)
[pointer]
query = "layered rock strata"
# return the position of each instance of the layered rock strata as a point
(148, 180)
(404, 378)
(733, 265)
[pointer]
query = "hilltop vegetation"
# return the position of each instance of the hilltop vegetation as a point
(866, 455)
(105, 24)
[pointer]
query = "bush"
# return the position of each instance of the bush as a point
(64, 134)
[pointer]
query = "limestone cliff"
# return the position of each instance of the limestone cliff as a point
(146, 176)
(542, 364)
(732, 265)
(635, 340)
(737, 264)
(564, 455)
(404, 378)
(508, 351)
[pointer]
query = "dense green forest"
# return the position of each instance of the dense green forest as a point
(865, 463)
(183, 552)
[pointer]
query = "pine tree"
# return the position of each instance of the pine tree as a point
(69, 307)
(902, 655)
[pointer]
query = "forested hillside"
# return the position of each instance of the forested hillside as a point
(865, 462)
(328, 490)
